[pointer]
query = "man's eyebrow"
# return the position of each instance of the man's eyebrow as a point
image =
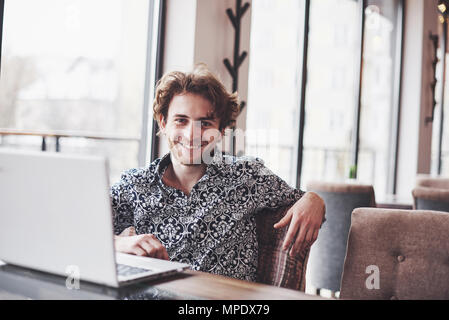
(208, 118)
(202, 118)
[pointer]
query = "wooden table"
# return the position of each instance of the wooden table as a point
(209, 286)
(21, 283)
(394, 202)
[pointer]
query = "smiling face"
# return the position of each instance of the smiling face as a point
(188, 127)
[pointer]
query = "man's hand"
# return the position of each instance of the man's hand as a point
(305, 218)
(141, 245)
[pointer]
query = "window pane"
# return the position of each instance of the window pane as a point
(75, 66)
(275, 84)
(330, 92)
(378, 83)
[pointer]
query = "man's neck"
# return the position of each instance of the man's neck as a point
(183, 176)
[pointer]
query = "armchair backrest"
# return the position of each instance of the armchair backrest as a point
(397, 254)
(275, 266)
(431, 199)
(428, 181)
(327, 254)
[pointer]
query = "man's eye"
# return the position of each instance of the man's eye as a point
(180, 121)
(205, 124)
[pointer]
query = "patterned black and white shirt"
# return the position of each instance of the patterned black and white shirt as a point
(213, 228)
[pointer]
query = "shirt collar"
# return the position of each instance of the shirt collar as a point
(161, 166)
(163, 163)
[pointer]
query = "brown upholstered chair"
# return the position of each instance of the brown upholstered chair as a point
(276, 267)
(409, 248)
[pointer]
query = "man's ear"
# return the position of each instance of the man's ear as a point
(162, 123)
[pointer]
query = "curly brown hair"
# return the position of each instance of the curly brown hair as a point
(199, 81)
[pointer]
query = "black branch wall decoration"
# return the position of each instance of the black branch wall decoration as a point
(434, 38)
(233, 69)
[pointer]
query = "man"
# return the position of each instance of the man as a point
(195, 207)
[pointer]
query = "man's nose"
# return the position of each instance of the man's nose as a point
(195, 132)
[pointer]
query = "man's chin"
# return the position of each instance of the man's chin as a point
(194, 158)
(189, 161)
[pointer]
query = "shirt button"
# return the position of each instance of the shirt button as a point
(401, 258)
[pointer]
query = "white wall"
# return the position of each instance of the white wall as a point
(180, 35)
(215, 42)
(199, 31)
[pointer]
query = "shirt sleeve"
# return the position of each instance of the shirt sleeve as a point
(271, 190)
(122, 209)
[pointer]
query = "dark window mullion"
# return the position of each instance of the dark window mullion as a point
(443, 80)
(393, 166)
(2, 6)
(358, 90)
(159, 72)
(143, 143)
(302, 107)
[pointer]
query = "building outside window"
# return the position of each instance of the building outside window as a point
(277, 31)
(377, 115)
(331, 88)
(75, 66)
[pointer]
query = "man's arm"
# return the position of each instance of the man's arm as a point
(123, 219)
(305, 218)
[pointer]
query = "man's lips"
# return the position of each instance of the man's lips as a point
(193, 147)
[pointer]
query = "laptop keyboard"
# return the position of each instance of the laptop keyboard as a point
(125, 270)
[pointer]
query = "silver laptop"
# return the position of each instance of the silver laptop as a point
(55, 216)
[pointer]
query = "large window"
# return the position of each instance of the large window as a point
(274, 84)
(79, 68)
(349, 116)
(379, 87)
(330, 95)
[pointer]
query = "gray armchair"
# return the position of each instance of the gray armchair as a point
(431, 199)
(327, 254)
(431, 193)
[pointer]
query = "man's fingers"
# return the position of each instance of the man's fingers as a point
(298, 245)
(291, 233)
(155, 248)
(159, 249)
(165, 255)
(146, 245)
(315, 236)
(309, 236)
(284, 221)
(139, 251)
